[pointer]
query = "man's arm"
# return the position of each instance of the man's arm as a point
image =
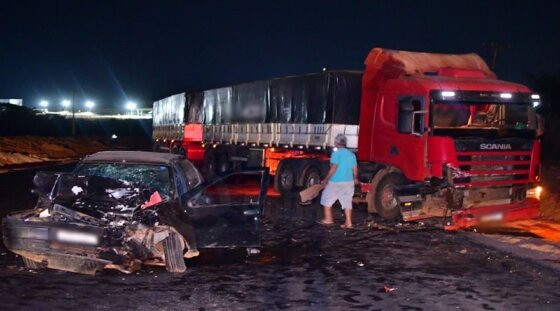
(332, 170)
(355, 173)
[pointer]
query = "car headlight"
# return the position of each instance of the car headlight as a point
(534, 192)
(77, 237)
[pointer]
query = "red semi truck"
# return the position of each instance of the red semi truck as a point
(435, 134)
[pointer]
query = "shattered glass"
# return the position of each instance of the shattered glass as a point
(153, 176)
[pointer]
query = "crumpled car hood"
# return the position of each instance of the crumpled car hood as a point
(99, 197)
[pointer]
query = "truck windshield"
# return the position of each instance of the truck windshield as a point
(464, 115)
(154, 176)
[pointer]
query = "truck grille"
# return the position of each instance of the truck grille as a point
(492, 168)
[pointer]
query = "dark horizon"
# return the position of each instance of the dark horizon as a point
(142, 51)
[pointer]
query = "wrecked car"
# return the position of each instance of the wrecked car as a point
(124, 209)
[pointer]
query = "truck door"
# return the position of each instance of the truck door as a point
(400, 139)
(227, 211)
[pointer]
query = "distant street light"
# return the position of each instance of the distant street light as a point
(44, 103)
(65, 103)
(131, 105)
(90, 104)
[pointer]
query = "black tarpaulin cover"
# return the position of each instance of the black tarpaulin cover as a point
(327, 97)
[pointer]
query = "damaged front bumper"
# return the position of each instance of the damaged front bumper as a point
(82, 248)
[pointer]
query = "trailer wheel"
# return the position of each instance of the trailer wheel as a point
(31, 264)
(210, 163)
(223, 163)
(311, 176)
(386, 203)
(285, 178)
(173, 251)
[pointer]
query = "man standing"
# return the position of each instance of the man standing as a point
(339, 183)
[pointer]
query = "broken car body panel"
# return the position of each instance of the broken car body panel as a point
(84, 223)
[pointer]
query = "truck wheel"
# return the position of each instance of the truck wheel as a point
(386, 203)
(284, 180)
(31, 264)
(173, 251)
(223, 163)
(210, 163)
(312, 176)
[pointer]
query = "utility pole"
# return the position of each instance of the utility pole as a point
(73, 112)
(495, 48)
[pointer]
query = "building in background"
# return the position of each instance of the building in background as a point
(13, 101)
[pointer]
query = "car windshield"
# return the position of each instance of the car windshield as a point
(154, 176)
(454, 115)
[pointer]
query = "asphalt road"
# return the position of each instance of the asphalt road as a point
(301, 266)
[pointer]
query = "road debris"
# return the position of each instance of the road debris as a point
(389, 289)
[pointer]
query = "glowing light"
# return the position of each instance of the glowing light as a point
(44, 103)
(535, 192)
(131, 105)
(89, 104)
(448, 94)
(535, 104)
(535, 96)
(65, 103)
(114, 136)
(505, 95)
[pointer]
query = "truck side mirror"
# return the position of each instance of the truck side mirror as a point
(411, 115)
(406, 116)
(540, 125)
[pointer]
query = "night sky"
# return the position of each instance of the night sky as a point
(111, 51)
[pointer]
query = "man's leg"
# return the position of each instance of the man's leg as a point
(346, 204)
(348, 215)
(328, 197)
(327, 215)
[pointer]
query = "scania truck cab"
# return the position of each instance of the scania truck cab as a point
(447, 137)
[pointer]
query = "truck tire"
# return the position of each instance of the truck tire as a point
(31, 264)
(224, 164)
(173, 251)
(210, 163)
(285, 179)
(386, 203)
(311, 176)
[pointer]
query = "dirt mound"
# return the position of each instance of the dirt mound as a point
(32, 149)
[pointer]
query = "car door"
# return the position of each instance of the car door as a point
(227, 211)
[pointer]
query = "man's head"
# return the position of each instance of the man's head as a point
(340, 141)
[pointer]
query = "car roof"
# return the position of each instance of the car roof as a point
(132, 156)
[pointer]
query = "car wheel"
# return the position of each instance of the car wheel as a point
(284, 180)
(173, 251)
(386, 203)
(31, 264)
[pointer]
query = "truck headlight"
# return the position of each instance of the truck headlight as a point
(77, 237)
(534, 192)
